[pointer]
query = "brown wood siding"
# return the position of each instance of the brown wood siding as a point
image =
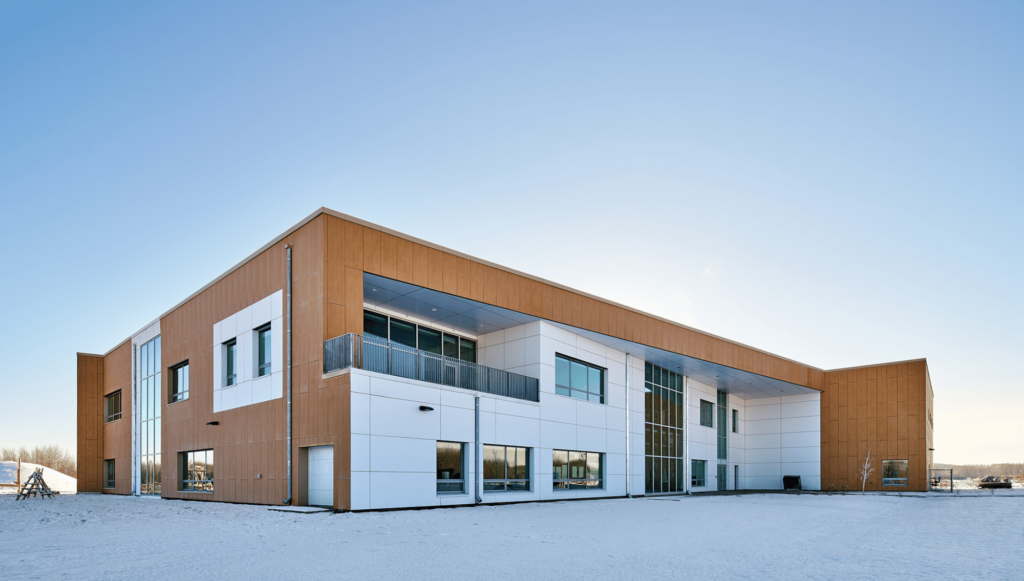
(250, 442)
(117, 435)
(90, 423)
(389, 255)
(884, 409)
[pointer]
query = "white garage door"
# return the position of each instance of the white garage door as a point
(321, 476)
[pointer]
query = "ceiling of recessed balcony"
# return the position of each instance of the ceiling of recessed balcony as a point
(474, 318)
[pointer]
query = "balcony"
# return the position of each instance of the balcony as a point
(384, 356)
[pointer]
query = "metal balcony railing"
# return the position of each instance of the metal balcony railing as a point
(384, 356)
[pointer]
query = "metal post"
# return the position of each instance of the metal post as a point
(686, 433)
(478, 479)
(629, 451)
(288, 368)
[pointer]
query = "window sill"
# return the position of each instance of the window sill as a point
(111, 421)
(196, 491)
(453, 494)
(561, 490)
(177, 401)
(508, 492)
(579, 399)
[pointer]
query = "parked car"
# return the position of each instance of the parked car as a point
(995, 482)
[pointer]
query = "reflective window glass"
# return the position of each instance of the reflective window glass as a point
(374, 324)
(429, 340)
(467, 350)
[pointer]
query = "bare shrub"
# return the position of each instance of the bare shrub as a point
(52, 456)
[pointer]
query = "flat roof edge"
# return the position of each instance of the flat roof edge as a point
(925, 359)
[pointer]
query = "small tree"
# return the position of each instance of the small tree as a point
(865, 471)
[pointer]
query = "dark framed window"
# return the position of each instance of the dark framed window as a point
(506, 469)
(108, 471)
(895, 473)
(112, 406)
(576, 470)
(735, 421)
(179, 382)
(230, 362)
(697, 473)
(263, 351)
(707, 414)
(418, 337)
(196, 469)
(450, 468)
(577, 379)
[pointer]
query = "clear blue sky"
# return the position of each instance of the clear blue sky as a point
(838, 184)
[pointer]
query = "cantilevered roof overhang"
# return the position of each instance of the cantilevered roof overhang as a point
(473, 318)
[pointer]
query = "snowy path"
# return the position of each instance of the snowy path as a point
(759, 537)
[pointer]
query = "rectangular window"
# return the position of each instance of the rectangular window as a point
(506, 469)
(263, 348)
(112, 406)
(196, 469)
(895, 473)
(179, 382)
(577, 470)
(735, 421)
(697, 472)
(108, 470)
(418, 337)
(707, 413)
(231, 363)
(450, 468)
(578, 379)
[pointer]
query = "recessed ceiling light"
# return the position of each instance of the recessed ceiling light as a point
(373, 289)
(433, 309)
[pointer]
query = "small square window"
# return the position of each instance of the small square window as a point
(895, 473)
(697, 477)
(112, 406)
(578, 379)
(450, 467)
(179, 382)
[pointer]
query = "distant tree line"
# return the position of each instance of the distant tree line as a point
(1015, 471)
(53, 457)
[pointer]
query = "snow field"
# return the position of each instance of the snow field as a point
(763, 537)
(55, 480)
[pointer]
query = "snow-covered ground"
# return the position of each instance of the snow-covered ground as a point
(760, 537)
(55, 480)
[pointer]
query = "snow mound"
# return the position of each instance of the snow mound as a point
(57, 481)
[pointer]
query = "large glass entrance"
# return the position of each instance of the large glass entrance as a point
(663, 430)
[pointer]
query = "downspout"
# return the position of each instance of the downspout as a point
(629, 451)
(288, 368)
(686, 433)
(478, 460)
(135, 415)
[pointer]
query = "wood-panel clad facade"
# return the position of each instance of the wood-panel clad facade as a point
(331, 252)
(882, 409)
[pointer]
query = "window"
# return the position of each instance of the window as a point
(895, 473)
(263, 351)
(723, 434)
(425, 339)
(449, 468)
(196, 471)
(108, 471)
(735, 421)
(576, 470)
(697, 472)
(231, 363)
(665, 469)
(179, 382)
(149, 402)
(707, 414)
(506, 469)
(578, 379)
(112, 406)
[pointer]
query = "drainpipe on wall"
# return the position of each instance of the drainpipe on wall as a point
(135, 416)
(478, 477)
(629, 396)
(686, 433)
(288, 367)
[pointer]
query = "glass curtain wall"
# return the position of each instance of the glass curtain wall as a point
(419, 337)
(663, 430)
(148, 396)
(723, 440)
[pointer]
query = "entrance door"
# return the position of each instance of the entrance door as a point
(736, 477)
(723, 470)
(321, 475)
